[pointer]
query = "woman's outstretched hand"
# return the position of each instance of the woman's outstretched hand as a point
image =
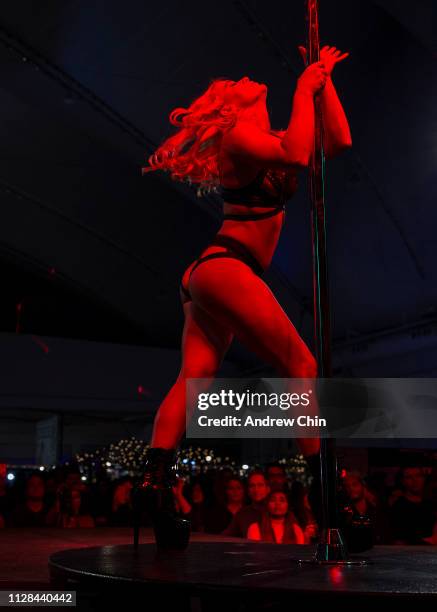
(329, 56)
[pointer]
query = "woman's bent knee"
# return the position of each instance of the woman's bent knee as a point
(202, 371)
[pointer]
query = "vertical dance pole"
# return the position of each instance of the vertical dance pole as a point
(331, 547)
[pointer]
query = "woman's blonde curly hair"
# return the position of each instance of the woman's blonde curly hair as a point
(191, 154)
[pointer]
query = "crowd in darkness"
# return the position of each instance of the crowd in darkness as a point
(265, 505)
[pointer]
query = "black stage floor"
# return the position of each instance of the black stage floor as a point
(214, 573)
(25, 552)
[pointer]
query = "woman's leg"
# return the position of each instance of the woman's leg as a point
(204, 345)
(242, 302)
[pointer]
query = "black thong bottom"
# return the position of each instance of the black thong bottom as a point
(235, 250)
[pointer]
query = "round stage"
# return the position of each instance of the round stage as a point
(256, 575)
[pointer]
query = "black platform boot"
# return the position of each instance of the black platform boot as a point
(154, 495)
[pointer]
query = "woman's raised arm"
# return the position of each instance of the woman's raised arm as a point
(252, 144)
(337, 136)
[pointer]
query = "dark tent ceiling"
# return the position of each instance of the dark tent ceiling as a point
(85, 94)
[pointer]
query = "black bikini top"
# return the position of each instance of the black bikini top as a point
(254, 194)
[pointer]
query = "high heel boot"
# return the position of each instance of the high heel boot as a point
(154, 495)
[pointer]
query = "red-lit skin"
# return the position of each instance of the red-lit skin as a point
(234, 495)
(228, 299)
(277, 505)
(277, 508)
(257, 487)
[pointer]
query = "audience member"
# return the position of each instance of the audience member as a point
(277, 523)
(412, 516)
(361, 502)
(5, 499)
(300, 505)
(218, 516)
(257, 490)
(121, 507)
(277, 477)
(33, 511)
(101, 496)
(196, 502)
(71, 508)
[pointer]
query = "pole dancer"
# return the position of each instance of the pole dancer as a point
(225, 141)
